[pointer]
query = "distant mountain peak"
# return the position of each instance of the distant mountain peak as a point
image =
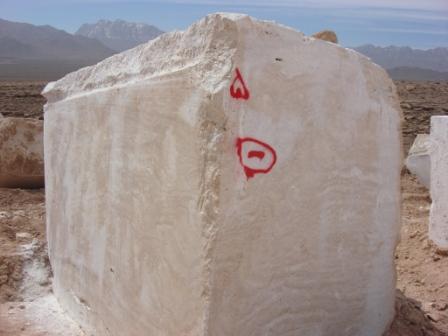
(26, 41)
(119, 35)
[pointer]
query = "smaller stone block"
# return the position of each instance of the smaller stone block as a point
(418, 161)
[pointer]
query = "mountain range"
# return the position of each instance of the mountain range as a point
(43, 52)
(46, 53)
(119, 35)
(393, 57)
(22, 41)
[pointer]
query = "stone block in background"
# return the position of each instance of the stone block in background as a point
(237, 178)
(438, 221)
(418, 161)
(21, 153)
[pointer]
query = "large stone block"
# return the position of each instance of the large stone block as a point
(418, 161)
(438, 223)
(21, 153)
(237, 178)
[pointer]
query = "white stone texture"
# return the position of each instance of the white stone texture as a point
(438, 223)
(154, 227)
(418, 161)
(21, 153)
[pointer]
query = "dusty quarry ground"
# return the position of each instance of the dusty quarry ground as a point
(28, 308)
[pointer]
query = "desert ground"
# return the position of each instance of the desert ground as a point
(28, 308)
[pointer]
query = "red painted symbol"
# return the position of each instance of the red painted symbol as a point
(238, 89)
(256, 157)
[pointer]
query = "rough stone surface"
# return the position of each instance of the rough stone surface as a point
(326, 35)
(418, 161)
(438, 223)
(21, 153)
(225, 180)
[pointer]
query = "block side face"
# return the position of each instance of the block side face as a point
(438, 223)
(123, 226)
(310, 195)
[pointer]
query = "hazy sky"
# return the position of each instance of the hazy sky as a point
(417, 23)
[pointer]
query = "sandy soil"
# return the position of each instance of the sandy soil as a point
(28, 308)
(422, 274)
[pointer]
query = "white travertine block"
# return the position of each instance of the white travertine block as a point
(418, 161)
(238, 178)
(438, 223)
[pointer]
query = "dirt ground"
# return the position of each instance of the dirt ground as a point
(28, 308)
(420, 101)
(21, 99)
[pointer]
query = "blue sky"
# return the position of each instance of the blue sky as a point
(416, 23)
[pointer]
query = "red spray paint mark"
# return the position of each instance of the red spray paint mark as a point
(256, 157)
(238, 89)
(257, 154)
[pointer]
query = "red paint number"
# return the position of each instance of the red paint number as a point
(238, 89)
(256, 157)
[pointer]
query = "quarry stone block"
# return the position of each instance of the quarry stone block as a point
(236, 178)
(21, 153)
(438, 222)
(418, 161)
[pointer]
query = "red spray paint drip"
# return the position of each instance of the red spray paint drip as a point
(266, 162)
(238, 89)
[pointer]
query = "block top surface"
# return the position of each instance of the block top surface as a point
(207, 46)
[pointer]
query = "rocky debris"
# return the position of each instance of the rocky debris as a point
(326, 35)
(21, 153)
(411, 320)
(42, 316)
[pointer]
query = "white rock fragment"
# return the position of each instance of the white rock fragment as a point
(25, 235)
(237, 178)
(21, 153)
(418, 161)
(438, 223)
